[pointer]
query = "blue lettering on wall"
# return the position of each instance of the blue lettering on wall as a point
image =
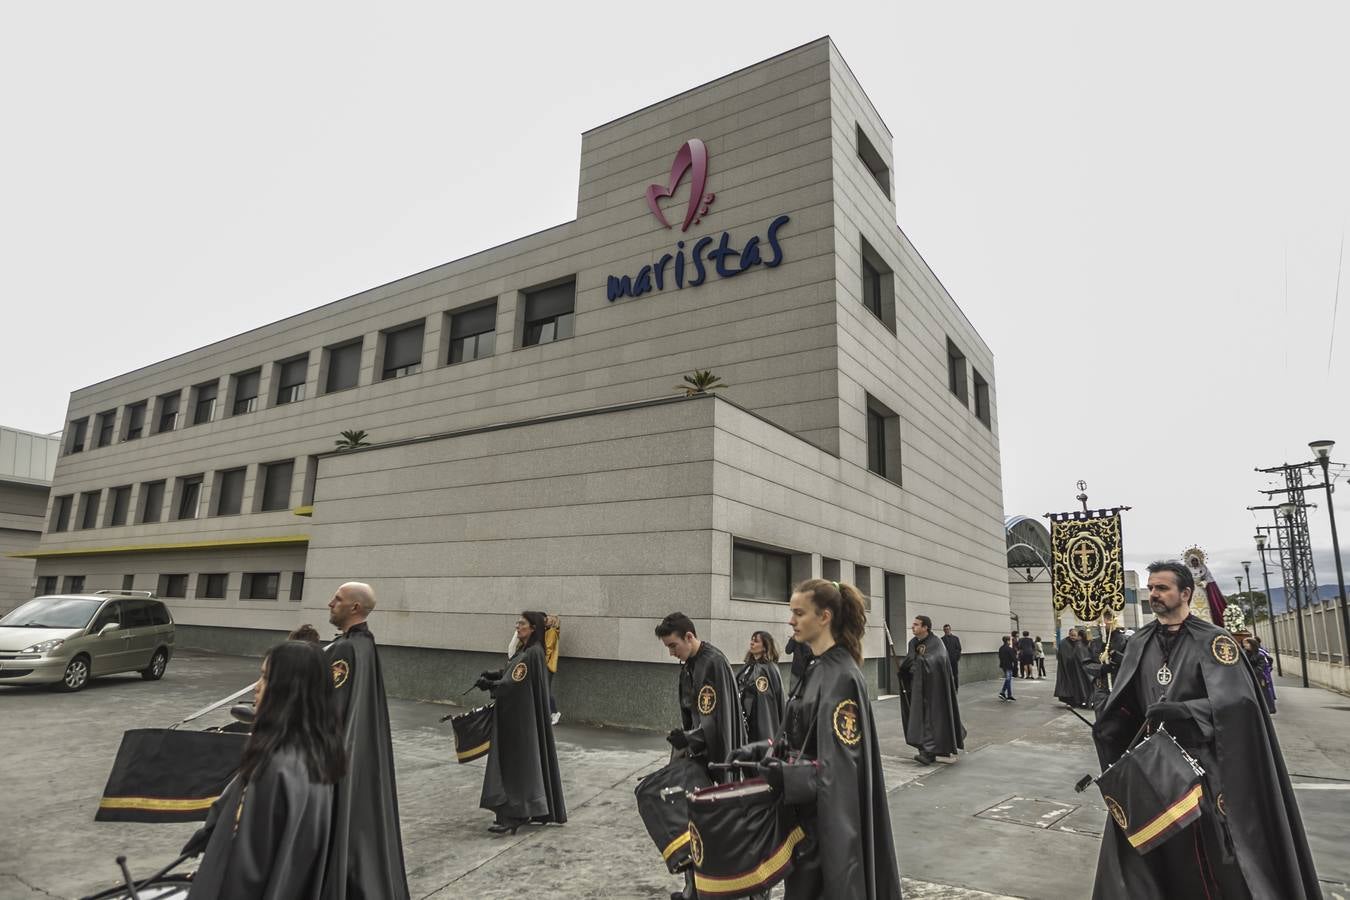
(727, 262)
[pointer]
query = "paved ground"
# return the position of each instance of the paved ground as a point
(1002, 822)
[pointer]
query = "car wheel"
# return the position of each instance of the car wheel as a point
(75, 676)
(155, 671)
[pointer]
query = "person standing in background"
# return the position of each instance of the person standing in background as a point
(761, 688)
(1007, 661)
(953, 645)
(552, 637)
(1040, 657)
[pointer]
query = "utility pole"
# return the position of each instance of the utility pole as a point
(1270, 604)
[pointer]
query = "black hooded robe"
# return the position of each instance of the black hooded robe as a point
(522, 780)
(761, 690)
(365, 861)
(1247, 798)
(1101, 674)
(848, 853)
(710, 708)
(928, 707)
(269, 841)
(953, 645)
(1071, 680)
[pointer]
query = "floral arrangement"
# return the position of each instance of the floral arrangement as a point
(1233, 619)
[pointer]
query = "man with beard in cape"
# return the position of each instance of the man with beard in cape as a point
(711, 724)
(365, 861)
(1071, 681)
(928, 707)
(1190, 675)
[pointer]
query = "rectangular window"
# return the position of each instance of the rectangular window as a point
(758, 574)
(473, 333)
(104, 427)
(74, 585)
(956, 372)
(213, 585)
(878, 285)
(46, 585)
(89, 509)
(297, 586)
(982, 399)
(152, 501)
(871, 288)
(311, 481)
(876, 442)
(291, 379)
(128, 582)
(174, 586)
(276, 493)
(189, 496)
(402, 350)
(260, 586)
(245, 391)
(871, 158)
(119, 505)
(548, 314)
(77, 433)
(344, 367)
(883, 440)
(61, 512)
(166, 417)
(204, 404)
(230, 499)
(135, 421)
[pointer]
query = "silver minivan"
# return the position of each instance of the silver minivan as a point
(66, 639)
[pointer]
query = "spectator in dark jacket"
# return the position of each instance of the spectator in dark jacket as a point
(1007, 661)
(1026, 653)
(953, 645)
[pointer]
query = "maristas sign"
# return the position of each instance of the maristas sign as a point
(725, 258)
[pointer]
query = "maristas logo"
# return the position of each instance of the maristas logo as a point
(693, 156)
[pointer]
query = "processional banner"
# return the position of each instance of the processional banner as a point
(1088, 563)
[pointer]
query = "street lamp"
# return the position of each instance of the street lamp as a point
(1286, 510)
(1322, 451)
(1251, 604)
(1265, 573)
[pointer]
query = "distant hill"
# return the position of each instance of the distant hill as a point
(1324, 592)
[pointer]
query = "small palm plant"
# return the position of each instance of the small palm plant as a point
(352, 439)
(703, 381)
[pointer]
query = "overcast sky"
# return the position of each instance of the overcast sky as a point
(1113, 196)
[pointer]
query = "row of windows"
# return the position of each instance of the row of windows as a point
(471, 333)
(187, 500)
(209, 585)
(763, 573)
(956, 382)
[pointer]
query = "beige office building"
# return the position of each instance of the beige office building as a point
(527, 451)
(27, 461)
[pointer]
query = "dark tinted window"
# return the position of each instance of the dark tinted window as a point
(231, 497)
(168, 412)
(159, 614)
(135, 614)
(403, 351)
(277, 485)
(291, 379)
(473, 333)
(173, 585)
(152, 504)
(548, 314)
(89, 509)
(260, 586)
(61, 513)
(246, 392)
(77, 430)
(135, 420)
(760, 574)
(121, 505)
(212, 585)
(106, 420)
(46, 585)
(189, 493)
(344, 367)
(109, 613)
(206, 403)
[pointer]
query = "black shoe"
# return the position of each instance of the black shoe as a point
(924, 759)
(504, 827)
(1002, 697)
(1012, 698)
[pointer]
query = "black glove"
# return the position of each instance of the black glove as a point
(484, 683)
(771, 770)
(678, 739)
(196, 844)
(752, 752)
(1167, 711)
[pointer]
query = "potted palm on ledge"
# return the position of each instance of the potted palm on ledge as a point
(703, 381)
(350, 440)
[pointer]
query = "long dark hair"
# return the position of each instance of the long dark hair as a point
(538, 621)
(298, 711)
(848, 617)
(766, 641)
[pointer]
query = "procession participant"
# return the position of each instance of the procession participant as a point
(521, 782)
(277, 812)
(1259, 658)
(711, 725)
(953, 645)
(1104, 657)
(1071, 682)
(365, 861)
(928, 707)
(1189, 675)
(848, 852)
(760, 686)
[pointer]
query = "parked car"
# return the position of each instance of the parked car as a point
(66, 639)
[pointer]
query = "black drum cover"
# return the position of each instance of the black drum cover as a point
(473, 732)
(742, 838)
(667, 821)
(1153, 791)
(166, 775)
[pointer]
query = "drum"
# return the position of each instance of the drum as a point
(667, 820)
(473, 732)
(1153, 790)
(741, 838)
(170, 887)
(166, 775)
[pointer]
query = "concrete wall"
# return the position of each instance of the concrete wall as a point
(22, 505)
(1031, 601)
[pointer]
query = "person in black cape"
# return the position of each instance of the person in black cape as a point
(521, 782)
(366, 858)
(1071, 682)
(760, 685)
(953, 645)
(1104, 656)
(928, 706)
(267, 836)
(1190, 676)
(848, 852)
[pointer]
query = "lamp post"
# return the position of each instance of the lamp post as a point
(1274, 629)
(1287, 511)
(1322, 450)
(1251, 604)
(1237, 598)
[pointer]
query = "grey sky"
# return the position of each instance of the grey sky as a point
(1110, 194)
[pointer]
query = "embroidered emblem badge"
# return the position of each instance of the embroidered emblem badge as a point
(1117, 813)
(922, 648)
(846, 725)
(762, 684)
(340, 673)
(1219, 805)
(519, 672)
(695, 845)
(707, 700)
(1225, 650)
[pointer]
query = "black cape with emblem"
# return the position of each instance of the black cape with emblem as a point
(521, 780)
(365, 861)
(928, 707)
(1071, 679)
(848, 853)
(269, 842)
(761, 690)
(1100, 674)
(1250, 832)
(710, 708)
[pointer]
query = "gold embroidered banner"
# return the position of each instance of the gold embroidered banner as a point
(1088, 564)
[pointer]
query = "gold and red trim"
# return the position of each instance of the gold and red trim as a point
(675, 845)
(747, 882)
(158, 804)
(1179, 814)
(474, 752)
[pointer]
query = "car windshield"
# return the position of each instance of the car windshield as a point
(52, 612)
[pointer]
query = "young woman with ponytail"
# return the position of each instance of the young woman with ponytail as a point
(847, 851)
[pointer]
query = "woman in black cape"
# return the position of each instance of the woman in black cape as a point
(761, 688)
(267, 836)
(521, 782)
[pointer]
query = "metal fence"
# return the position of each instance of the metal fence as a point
(1321, 632)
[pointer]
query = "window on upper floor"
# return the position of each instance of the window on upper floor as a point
(956, 373)
(119, 505)
(291, 375)
(344, 366)
(135, 419)
(128, 582)
(401, 353)
(89, 509)
(548, 314)
(204, 402)
(230, 491)
(75, 443)
(276, 479)
(103, 428)
(878, 285)
(883, 440)
(166, 412)
(760, 574)
(874, 162)
(61, 512)
(189, 491)
(473, 333)
(297, 587)
(244, 391)
(982, 408)
(152, 502)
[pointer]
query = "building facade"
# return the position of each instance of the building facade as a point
(526, 449)
(27, 461)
